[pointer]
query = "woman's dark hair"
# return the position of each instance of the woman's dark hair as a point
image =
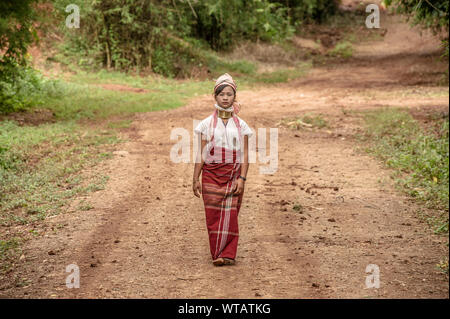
(220, 89)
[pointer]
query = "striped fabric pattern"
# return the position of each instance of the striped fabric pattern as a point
(219, 174)
(221, 206)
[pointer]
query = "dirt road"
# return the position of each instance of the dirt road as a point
(146, 235)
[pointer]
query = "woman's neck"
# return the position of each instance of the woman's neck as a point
(228, 108)
(224, 114)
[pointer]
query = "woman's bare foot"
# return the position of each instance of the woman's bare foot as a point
(228, 261)
(218, 262)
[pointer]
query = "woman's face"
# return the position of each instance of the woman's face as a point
(225, 98)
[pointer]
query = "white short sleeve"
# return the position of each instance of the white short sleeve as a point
(203, 126)
(245, 129)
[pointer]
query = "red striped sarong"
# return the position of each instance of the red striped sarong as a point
(221, 206)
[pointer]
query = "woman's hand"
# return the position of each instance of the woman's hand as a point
(239, 187)
(196, 187)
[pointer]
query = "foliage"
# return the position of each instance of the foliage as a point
(432, 15)
(16, 30)
(160, 35)
(22, 87)
(421, 160)
(308, 11)
(221, 23)
(18, 85)
(172, 37)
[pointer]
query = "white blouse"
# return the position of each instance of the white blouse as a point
(225, 135)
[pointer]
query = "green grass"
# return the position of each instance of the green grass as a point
(94, 102)
(41, 172)
(39, 167)
(342, 49)
(9, 250)
(278, 76)
(242, 67)
(120, 124)
(419, 159)
(315, 120)
(307, 120)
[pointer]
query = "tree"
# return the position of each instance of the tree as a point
(16, 29)
(18, 83)
(430, 14)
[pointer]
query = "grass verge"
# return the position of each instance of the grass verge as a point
(39, 167)
(40, 172)
(420, 159)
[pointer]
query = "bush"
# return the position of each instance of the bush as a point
(222, 23)
(22, 87)
(343, 49)
(167, 36)
(308, 11)
(19, 88)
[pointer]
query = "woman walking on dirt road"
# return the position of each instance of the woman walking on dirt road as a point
(223, 162)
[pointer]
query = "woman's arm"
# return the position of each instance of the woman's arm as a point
(245, 164)
(244, 169)
(199, 161)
